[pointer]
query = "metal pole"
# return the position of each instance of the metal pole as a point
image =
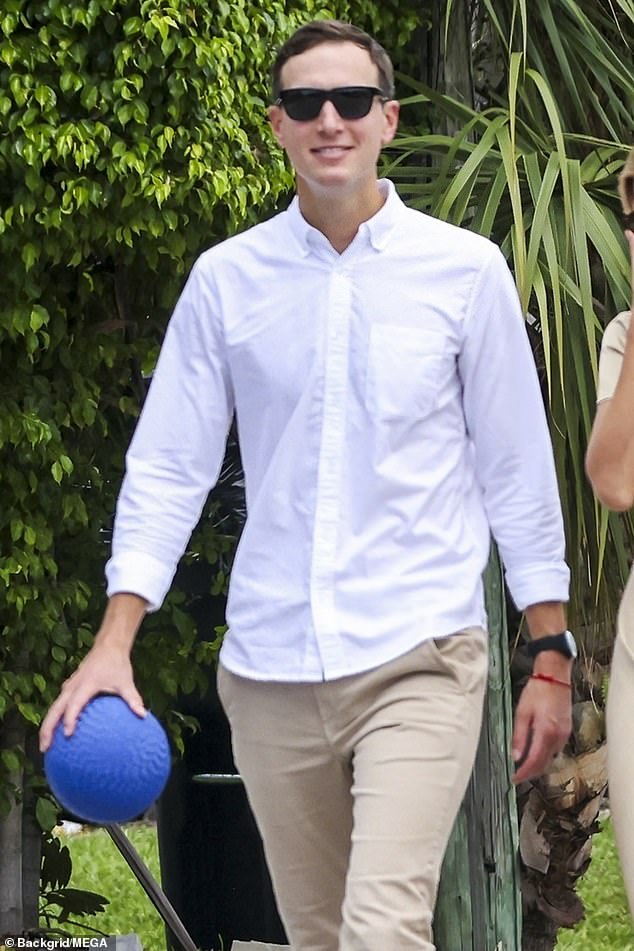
(151, 887)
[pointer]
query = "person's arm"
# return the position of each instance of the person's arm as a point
(172, 463)
(610, 454)
(506, 421)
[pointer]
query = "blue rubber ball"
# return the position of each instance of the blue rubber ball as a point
(114, 765)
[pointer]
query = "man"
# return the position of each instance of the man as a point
(389, 417)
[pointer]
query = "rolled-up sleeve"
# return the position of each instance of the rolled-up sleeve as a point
(506, 421)
(175, 455)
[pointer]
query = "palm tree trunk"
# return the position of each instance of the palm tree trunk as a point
(31, 844)
(12, 735)
(447, 63)
(478, 906)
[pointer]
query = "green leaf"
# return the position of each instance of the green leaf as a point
(124, 113)
(17, 527)
(56, 867)
(77, 901)
(39, 317)
(132, 26)
(45, 96)
(46, 813)
(66, 464)
(58, 654)
(39, 682)
(29, 712)
(30, 535)
(10, 760)
(89, 97)
(30, 254)
(57, 471)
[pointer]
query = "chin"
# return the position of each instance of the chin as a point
(333, 178)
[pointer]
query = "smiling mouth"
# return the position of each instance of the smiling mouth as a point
(331, 150)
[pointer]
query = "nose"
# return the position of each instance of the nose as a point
(328, 119)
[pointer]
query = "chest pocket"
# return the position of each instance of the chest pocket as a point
(404, 373)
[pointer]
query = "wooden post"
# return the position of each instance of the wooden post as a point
(479, 903)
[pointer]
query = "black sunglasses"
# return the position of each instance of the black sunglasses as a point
(351, 102)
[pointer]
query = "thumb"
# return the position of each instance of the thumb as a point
(521, 734)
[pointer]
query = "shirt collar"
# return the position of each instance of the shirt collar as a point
(376, 230)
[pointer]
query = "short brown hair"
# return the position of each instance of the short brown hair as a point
(334, 31)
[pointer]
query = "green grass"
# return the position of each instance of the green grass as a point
(98, 866)
(607, 925)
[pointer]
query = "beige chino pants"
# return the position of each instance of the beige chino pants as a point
(355, 784)
(620, 733)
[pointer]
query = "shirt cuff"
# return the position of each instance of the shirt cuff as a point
(136, 572)
(538, 583)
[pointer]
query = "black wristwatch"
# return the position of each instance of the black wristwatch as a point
(563, 643)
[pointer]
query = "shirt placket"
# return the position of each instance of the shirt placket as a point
(331, 454)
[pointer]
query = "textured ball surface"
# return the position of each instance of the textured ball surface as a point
(114, 765)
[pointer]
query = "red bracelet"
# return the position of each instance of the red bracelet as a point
(551, 680)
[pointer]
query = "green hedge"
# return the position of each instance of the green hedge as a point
(132, 135)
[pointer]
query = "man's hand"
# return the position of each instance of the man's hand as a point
(103, 670)
(543, 723)
(106, 668)
(543, 718)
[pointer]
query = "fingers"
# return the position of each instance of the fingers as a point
(134, 700)
(538, 754)
(100, 672)
(74, 696)
(542, 726)
(521, 734)
(49, 723)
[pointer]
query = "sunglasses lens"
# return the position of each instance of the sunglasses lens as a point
(351, 102)
(303, 104)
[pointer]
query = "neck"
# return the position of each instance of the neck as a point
(337, 216)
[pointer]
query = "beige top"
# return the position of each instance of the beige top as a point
(611, 359)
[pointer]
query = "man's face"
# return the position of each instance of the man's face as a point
(332, 155)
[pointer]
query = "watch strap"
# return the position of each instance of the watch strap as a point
(551, 642)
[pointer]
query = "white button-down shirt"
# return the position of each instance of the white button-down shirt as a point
(389, 418)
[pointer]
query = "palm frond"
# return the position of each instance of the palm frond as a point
(534, 168)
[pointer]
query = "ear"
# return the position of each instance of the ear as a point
(276, 116)
(391, 111)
